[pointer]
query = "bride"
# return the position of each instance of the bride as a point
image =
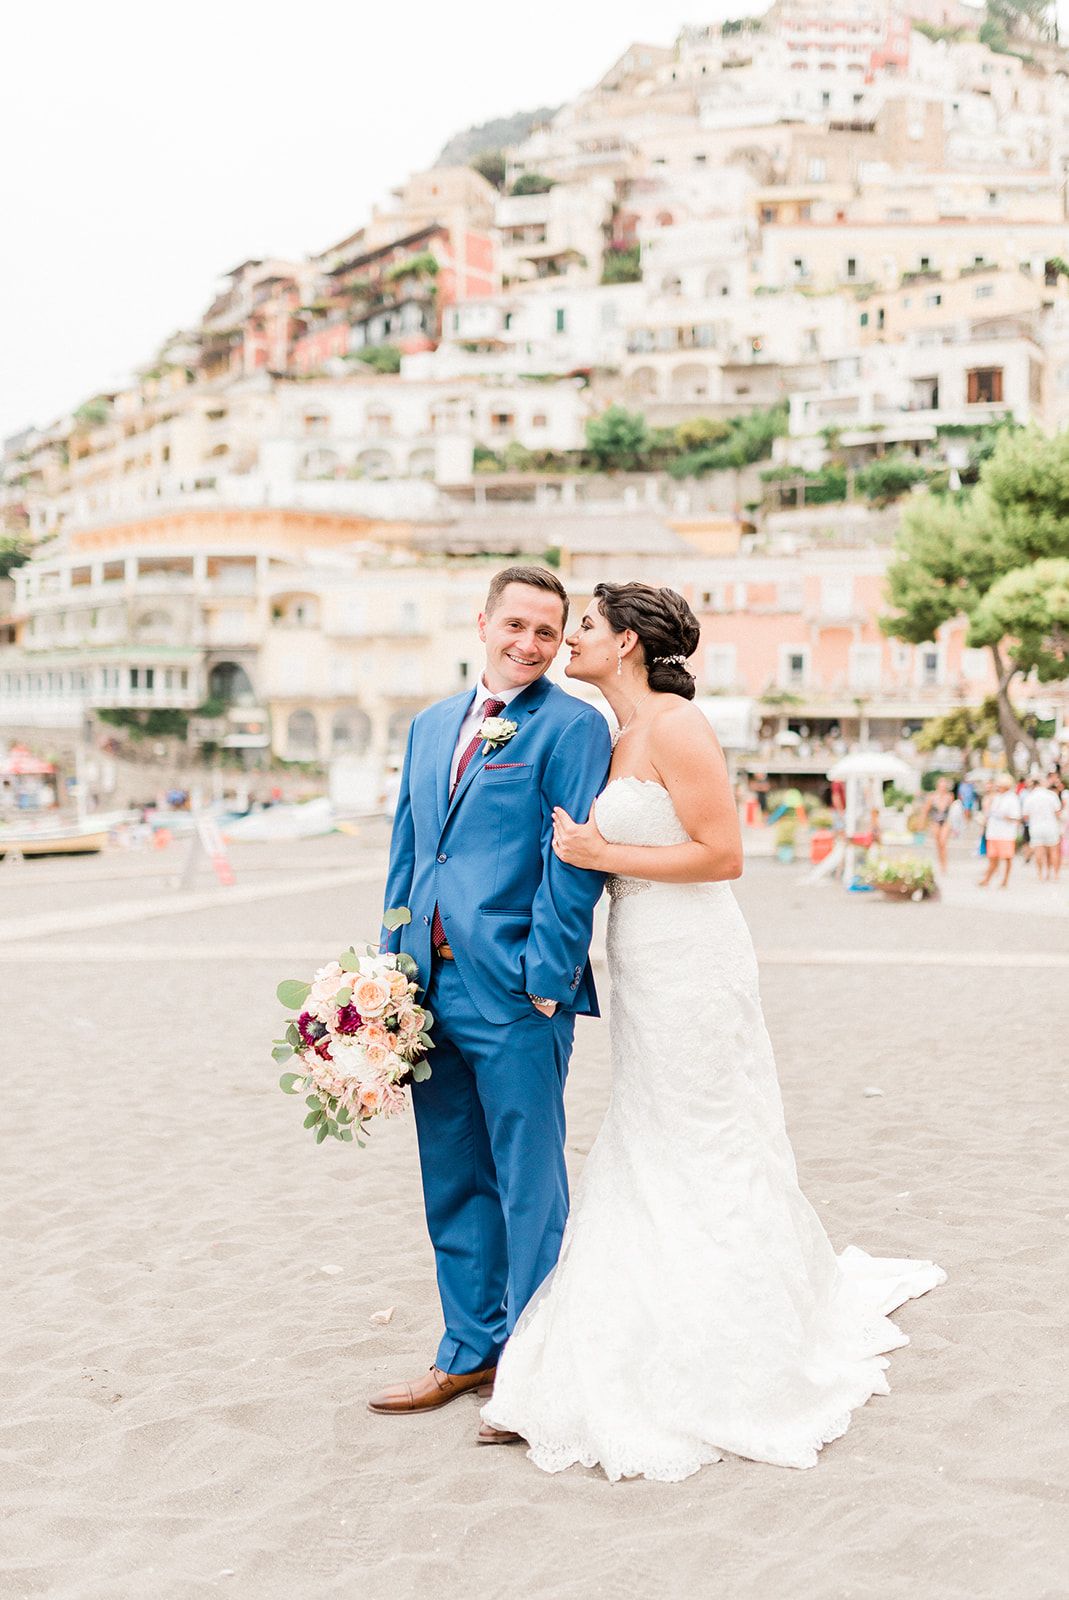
(698, 1307)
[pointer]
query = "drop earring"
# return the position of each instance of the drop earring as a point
(619, 666)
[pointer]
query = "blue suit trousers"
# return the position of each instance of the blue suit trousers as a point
(490, 1125)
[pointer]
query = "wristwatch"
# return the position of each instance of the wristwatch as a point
(540, 999)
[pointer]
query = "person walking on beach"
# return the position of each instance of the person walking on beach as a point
(1002, 820)
(500, 930)
(1042, 807)
(936, 815)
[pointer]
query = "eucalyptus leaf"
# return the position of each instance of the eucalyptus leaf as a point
(292, 1035)
(346, 1135)
(314, 1101)
(292, 993)
(428, 1020)
(332, 1128)
(396, 917)
(344, 1115)
(289, 1081)
(282, 1052)
(343, 996)
(420, 1071)
(321, 1133)
(406, 965)
(313, 1117)
(349, 962)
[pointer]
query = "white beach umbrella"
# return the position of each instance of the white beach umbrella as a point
(874, 764)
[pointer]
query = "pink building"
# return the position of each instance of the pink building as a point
(800, 637)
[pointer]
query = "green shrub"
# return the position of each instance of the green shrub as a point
(382, 357)
(888, 478)
(622, 264)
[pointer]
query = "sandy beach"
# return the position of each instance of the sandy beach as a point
(191, 1289)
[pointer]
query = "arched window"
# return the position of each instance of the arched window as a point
(319, 464)
(350, 732)
(302, 739)
(643, 381)
(228, 681)
(375, 464)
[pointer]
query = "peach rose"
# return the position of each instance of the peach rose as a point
(372, 1033)
(371, 1097)
(377, 1055)
(370, 996)
(409, 1023)
(398, 985)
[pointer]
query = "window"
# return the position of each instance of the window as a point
(508, 320)
(880, 317)
(720, 666)
(851, 266)
(933, 300)
(983, 386)
(864, 667)
(864, 319)
(928, 665)
(539, 420)
(983, 291)
(818, 167)
(825, 101)
(793, 666)
(560, 320)
(837, 594)
(501, 421)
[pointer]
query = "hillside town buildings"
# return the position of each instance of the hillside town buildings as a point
(855, 214)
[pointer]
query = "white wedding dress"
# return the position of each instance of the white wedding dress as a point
(698, 1307)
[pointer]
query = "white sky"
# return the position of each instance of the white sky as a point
(146, 149)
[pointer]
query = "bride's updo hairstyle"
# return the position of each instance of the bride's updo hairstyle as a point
(666, 626)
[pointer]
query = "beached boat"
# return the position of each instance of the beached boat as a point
(54, 838)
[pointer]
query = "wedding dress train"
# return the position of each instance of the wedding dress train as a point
(698, 1306)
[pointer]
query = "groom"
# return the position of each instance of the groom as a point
(500, 931)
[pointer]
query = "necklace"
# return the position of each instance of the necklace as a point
(618, 735)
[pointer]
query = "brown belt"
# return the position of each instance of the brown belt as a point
(445, 952)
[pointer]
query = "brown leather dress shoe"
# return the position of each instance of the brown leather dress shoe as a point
(488, 1435)
(436, 1389)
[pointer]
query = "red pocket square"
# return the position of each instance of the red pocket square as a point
(505, 766)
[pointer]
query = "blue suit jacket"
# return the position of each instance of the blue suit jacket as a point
(518, 919)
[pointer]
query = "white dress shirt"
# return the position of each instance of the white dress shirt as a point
(473, 720)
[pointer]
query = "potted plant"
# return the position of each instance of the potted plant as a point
(905, 878)
(785, 834)
(821, 833)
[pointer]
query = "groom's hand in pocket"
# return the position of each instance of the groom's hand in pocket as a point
(547, 1007)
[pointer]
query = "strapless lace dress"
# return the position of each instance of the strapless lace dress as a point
(698, 1307)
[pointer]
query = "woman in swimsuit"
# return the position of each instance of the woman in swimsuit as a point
(937, 817)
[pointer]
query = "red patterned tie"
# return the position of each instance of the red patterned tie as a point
(490, 709)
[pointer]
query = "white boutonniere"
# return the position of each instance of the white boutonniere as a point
(495, 732)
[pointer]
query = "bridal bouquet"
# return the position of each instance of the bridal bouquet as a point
(359, 1037)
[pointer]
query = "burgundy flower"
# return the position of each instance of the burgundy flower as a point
(309, 1028)
(348, 1019)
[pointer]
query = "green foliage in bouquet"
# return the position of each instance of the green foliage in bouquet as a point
(343, 1095)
